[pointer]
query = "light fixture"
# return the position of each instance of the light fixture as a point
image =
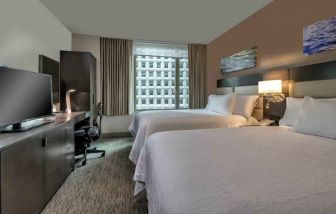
(271, 90)
(68, 102)
(270, 87)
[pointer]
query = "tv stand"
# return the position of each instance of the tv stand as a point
(34, 164)
(25, 126)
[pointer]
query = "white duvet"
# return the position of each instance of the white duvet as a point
(253, 170)
(149, 122)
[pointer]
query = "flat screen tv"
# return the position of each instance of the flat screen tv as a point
(24, 96)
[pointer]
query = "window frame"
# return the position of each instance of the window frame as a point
(177, 83)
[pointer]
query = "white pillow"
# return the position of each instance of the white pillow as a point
(293, 108)
(221, 103)
(318, 117)
(244, 105)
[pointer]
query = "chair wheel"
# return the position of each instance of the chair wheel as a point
(84, 163)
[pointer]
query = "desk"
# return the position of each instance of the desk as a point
(10, 139)
(34, 164)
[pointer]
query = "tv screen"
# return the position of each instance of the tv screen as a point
(24, 95)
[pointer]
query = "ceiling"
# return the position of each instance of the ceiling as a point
(180, 21)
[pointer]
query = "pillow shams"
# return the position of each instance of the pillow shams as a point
(244, 105)
(221, 103)
(318, 117)
(293, 109)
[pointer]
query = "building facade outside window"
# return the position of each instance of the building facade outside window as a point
(161, 79)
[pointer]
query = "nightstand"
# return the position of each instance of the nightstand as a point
(267, 122)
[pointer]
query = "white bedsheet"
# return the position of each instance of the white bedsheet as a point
(253, 170)
(149, 122)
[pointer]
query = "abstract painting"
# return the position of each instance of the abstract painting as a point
(320, 36)
(239, 61)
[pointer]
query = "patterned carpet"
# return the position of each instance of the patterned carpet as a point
(104, 185)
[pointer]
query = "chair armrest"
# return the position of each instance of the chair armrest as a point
(85, 128)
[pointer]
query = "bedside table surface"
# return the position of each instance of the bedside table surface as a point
(266, 122)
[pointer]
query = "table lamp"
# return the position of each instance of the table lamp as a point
(271, 90)
(68, 101)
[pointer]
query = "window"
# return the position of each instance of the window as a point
(162, 88)
(161, 76)
(143, 73)
(184, 83)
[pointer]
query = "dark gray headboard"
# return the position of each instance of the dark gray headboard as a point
(316, 80)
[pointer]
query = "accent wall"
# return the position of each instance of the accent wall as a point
(277, 31)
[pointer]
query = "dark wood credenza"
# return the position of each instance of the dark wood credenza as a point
(34, 164)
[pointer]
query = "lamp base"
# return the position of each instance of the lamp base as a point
(68, 111)
(274, 98)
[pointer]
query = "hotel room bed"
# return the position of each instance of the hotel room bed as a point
(248, 170)
(146, 123)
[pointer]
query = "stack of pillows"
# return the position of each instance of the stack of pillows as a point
(232, 104)
(311, 116)
(306, 115)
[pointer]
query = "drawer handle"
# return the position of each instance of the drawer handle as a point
(45, 142)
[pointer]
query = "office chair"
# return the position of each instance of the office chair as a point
(87, 134)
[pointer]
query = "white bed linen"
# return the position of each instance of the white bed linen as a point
(252, 170)
(149, 122)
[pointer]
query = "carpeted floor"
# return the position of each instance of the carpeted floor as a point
(102, 186)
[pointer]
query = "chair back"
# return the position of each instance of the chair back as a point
(97, 120)
(100, 115)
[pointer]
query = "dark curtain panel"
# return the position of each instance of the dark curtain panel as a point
(115, 65)
(197, 76)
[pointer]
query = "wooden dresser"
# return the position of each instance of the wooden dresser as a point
(34, 164)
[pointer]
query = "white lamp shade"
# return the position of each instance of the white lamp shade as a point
(270, 87)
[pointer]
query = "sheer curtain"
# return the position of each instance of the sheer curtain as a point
(197, 75)
(115, 64)
(160, 49)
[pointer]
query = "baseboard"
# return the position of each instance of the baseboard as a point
(119, 134)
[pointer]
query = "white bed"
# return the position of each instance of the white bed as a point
(147, 123)
(248, 170)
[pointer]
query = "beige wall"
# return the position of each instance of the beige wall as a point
(89, 43)
(28, 29)
(277, 31)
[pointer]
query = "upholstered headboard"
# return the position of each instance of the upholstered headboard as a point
(317, 80)
(246, 85)
(318, 88)
(246, 90)
(224, 90)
